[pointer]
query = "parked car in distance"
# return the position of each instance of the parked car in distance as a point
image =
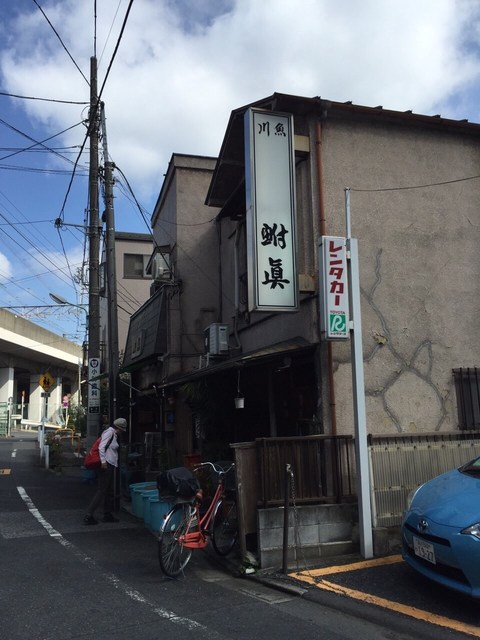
(441, 529)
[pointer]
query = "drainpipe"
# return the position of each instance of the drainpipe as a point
(236, 258)
(321, 211)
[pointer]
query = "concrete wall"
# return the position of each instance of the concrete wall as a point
(313, 532)
(131, 292)
(185, 224)
(419, 268)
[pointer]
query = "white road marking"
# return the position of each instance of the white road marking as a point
(112, 579)
(14, 453)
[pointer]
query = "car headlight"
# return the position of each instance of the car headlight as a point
(411, 496)
(474, 530)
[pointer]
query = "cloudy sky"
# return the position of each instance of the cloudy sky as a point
(180, 68)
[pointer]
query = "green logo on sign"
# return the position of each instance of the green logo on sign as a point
(338, 323)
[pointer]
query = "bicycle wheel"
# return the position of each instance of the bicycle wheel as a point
(225, 527)
(172, 555)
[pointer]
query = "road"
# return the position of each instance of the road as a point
(62, 580)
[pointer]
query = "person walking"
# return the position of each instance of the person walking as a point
(108, 450)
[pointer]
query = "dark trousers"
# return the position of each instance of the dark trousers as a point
(104, 493)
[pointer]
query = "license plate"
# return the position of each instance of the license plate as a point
(424, 550)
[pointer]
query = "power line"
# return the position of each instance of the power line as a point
(141, 209)
(37, 142)
(139, 206)
(92, 115)
(416, 186)
(124, 24)
(66, 259)
(29, 242)
(109, 32)
(33, 149)
(58, 172)
(14, 95)
(61, 41)
(16, 220)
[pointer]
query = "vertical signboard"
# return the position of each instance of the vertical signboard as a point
(93, 385)
(334, 305)
(270, 197)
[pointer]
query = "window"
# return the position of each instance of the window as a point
(467, 386)
(134, 265)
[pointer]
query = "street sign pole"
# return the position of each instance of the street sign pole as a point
(358, 383)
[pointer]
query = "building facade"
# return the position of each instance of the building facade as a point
(166, 335)
(132, 254)
(226, 371)
(413, 194)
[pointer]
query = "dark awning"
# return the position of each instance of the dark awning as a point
(269, 353)
(147, 334)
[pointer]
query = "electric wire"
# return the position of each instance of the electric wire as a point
(61, 41)
(29, 222)
(188, 256)
(128, 299)
(33, 149)
(42, 144)
(109, 32)
(29, 242)
(95, 110)
(95, 28)
(15, 219)
(52, 172)
(67, 260)
(15, 95)
(39, 251)
(416, 186)
(117, 45)
(82, 146)
(37, 142)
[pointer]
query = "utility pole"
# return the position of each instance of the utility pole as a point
(94, 364)
(111, 277)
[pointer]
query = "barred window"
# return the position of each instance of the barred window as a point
(467, 386)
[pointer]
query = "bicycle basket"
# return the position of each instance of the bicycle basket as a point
(178, 482)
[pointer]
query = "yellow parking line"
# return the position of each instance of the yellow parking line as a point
(5, 472)
(354, 566)
(413, 612)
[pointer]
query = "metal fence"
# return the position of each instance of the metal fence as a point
(325, 470)
(401, 463)
(323, 467)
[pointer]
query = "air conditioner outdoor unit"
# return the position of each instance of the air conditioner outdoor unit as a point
(216, 339)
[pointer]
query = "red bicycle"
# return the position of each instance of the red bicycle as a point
(185, 528)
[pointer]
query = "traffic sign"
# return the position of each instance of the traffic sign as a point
(46, 381)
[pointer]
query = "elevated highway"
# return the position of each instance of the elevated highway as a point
(30, 357)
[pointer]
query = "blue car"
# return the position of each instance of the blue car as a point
(441, 529)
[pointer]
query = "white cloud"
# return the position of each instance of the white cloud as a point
(5, 268)
(174, 83)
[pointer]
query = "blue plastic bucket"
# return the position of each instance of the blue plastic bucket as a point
(145, 504)
(158, 509)
(136, 491)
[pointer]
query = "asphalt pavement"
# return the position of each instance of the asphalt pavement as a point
(359, 587)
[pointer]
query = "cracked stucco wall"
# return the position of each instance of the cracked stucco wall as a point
(419, 269)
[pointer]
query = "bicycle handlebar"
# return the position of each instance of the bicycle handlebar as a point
(220, 470)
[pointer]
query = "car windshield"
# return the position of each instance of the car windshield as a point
(472, 467)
